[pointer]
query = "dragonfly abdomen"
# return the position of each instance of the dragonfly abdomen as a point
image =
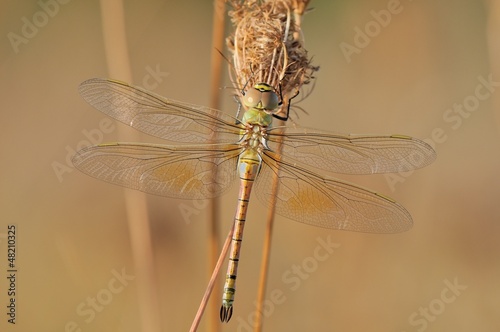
(248, 168)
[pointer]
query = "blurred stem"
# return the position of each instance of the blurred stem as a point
(264, 265)
(115, 45)
(215, 82)
(211, 283)
(266, 251)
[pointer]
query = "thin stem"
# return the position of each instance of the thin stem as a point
(266, 251)
(215, 82)
(116, 50)
(264, 265)
(211, 283)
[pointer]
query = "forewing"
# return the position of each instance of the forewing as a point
(164, 118)
(311, 199)
(187, 172)
(351, 154)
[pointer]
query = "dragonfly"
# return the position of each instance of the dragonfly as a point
(256, 153)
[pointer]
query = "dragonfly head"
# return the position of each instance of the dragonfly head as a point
(262, 97)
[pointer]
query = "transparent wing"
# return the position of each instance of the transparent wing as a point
(351, 154)
(312, 199)
(164, 118)
(181, 172)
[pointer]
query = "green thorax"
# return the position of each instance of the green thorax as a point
(258, 117)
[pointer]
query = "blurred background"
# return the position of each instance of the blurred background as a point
(430, 70)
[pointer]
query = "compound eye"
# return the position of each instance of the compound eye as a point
(270, 100)
(252, 97)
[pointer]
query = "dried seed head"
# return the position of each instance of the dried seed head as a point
(267, 45)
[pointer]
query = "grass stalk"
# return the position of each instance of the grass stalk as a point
(116, 50)
(211, 283)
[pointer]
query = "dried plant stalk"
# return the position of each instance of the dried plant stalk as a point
(215, 80)
(116, 50)
(267, 46)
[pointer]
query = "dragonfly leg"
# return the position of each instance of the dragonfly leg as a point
(237, 100)
(285, 118)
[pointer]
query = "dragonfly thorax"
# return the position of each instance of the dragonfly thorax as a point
(250, 160)
(256, 117)
(254, 138)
